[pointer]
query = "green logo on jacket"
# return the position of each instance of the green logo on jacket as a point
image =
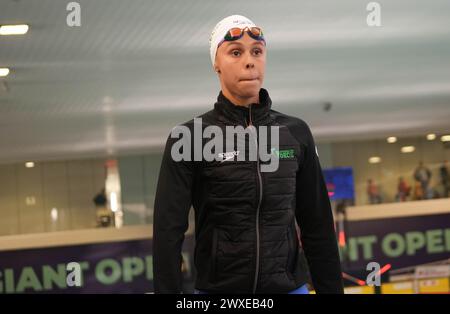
(284, 153)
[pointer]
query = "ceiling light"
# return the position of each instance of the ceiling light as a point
(29, 164)
(14, 29)
(431, 136)
(374, 160)
(4, 72)
(391, 139)
(408, 149)
(445, 138)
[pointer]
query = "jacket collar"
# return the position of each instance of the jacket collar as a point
(230, 113)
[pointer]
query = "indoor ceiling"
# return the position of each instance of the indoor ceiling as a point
(133, 69)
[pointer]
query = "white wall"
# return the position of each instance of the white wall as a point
(68, 186)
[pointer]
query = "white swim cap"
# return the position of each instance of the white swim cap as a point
(222, 28)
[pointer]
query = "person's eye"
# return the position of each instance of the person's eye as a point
(257, 51)
(235, 53)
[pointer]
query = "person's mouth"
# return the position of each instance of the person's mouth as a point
(248, 79)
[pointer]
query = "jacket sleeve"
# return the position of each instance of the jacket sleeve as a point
(171, 220)
(315, 219)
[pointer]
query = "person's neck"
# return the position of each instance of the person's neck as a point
(240, 101)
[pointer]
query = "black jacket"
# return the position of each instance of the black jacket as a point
(246, 220)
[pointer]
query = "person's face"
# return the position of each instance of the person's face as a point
(242, 65)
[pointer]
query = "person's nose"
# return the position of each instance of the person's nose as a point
(249, 65)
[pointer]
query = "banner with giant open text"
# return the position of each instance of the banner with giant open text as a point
(396, 241)
(115, 267)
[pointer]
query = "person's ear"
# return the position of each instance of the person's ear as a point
(216, 69)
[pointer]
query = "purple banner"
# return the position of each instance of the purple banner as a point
(116, 267)
(401, 242)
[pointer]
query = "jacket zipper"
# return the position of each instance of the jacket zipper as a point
(255, 283)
